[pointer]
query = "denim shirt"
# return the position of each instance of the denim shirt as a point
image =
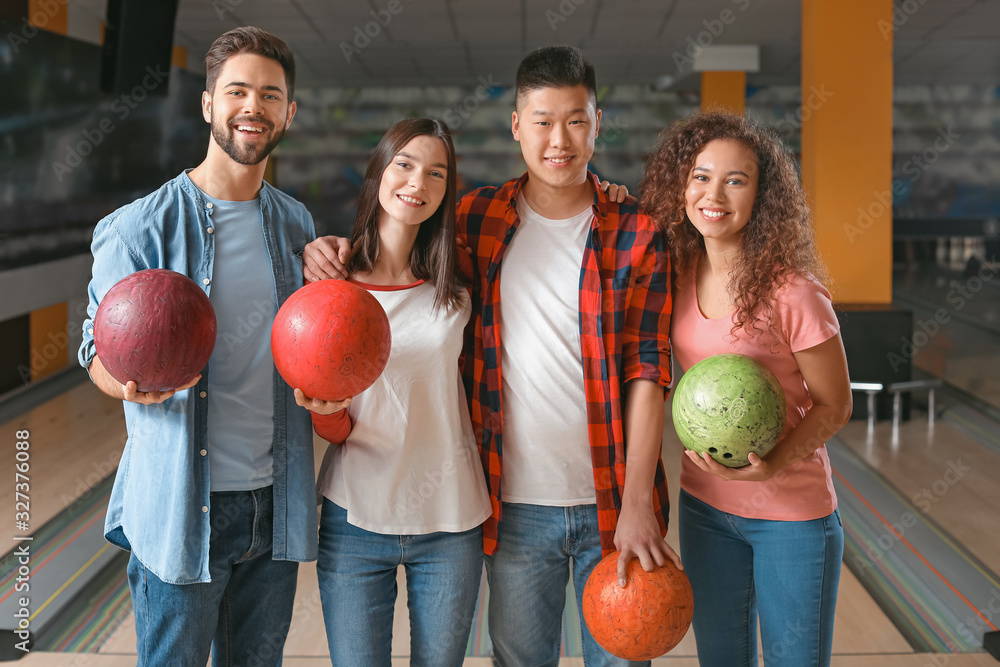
(160, 502)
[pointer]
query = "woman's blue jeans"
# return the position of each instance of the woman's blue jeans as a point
(357, 584)
(787, 572)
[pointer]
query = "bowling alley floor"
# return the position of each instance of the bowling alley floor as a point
(77, 436)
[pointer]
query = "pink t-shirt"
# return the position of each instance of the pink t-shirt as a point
(805, 312)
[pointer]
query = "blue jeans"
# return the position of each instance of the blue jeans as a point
(242, 615)
(539, 546)
(785, 571)
(357, 584)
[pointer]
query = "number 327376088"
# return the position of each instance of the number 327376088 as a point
(22, 502)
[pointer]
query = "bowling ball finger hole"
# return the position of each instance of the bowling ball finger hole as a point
(713, 450)
(727, 455)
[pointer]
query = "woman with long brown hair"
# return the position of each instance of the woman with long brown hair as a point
(764, 540)
(401, 481)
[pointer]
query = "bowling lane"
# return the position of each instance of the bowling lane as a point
(945, 473)
(76, 440)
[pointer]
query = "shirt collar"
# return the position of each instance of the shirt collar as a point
(601, 201)
(195, 192)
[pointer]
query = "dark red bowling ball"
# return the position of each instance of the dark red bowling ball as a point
(156, 327)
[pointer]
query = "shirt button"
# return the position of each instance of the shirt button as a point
(90, 331)
(207, 281)
(209, 205)
(204, 452)
(210, 230)
(203, 394)
(204, 509)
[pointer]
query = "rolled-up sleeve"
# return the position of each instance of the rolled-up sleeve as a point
(334, 427)
(646, 335)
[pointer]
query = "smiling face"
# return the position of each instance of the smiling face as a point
(721, 188)
(249, 109)
(556, 128)
(415, 181)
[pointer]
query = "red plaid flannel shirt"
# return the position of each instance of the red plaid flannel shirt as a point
(624, 323)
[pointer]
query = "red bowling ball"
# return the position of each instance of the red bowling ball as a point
(331, 340)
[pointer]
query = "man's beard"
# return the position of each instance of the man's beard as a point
(225, 136)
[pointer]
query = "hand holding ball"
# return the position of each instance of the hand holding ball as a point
(643, 620)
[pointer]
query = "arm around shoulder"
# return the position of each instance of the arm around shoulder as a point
(325, 258)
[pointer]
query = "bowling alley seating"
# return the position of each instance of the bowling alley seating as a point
(896, 390)
(876, 356)
(871, 389)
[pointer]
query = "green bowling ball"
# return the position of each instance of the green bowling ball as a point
(729, 405)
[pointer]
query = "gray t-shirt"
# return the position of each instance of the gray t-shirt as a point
(240, 380)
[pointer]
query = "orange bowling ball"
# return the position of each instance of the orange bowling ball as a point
(645, 619)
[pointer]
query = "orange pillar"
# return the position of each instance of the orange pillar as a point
(51, 15)
(846, 120)
(179, 57)
(49, 340)
(724, 90)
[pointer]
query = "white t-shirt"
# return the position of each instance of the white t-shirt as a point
(410, 465)
(546, 445)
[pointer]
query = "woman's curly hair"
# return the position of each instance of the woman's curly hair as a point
(776, 243)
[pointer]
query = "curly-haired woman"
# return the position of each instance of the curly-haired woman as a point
(763, 540)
